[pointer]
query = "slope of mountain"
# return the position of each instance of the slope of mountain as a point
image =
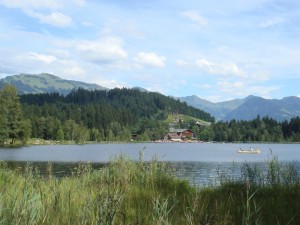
(280, 110)
(43, 83)
(248, 108)
(218, 110)
(239, 109)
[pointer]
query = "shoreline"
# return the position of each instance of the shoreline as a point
(41, 142)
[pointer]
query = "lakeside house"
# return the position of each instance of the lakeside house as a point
(178, 135)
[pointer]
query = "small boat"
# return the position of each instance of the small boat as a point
(249, 151)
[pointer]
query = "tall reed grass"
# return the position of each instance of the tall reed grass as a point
(128, 192)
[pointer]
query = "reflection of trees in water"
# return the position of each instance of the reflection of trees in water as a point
(54, 169)
(197, 173)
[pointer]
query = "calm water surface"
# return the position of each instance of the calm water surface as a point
(200, 163)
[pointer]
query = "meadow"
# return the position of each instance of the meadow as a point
(138, 192)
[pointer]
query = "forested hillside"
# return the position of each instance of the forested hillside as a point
(103, 115)
(116, 114)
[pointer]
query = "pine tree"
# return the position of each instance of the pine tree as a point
(11, 118)
(3, 120)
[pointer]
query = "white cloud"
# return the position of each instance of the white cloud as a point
(110, 83)
(228, 68)
(195, 17)
(37, 9)
(32, 4)
(258, 76)
(68, 69)
(41, 57)
(237, 87)
(105, 50)
(243, 89)
(158, 82)
(56, 62)
(102, 36)
(203, 63)
(75, 71)
(54, 18)
(77, 2)
(272, 22)
(40, 4)
(149, 59)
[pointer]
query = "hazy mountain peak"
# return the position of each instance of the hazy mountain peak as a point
(248, 108)
(252, 97)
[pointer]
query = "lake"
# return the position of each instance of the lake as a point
(200, 163)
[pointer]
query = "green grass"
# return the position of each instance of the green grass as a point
(174, 118)
(128, 192)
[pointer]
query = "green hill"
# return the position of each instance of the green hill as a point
(111, 115)
(45, 83)
(175, 118)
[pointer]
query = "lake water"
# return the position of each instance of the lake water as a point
(200, 163)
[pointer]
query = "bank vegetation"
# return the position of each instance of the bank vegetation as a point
(138, 192)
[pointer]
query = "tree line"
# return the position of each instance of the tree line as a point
(117, 114)
(97, 115)
(264, 129)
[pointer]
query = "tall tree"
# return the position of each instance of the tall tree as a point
(3, 120)
(12, 114)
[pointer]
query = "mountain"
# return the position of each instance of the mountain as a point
(45, 83)
(240, 109)
(218, 110)
(281, 110)
(248, 108)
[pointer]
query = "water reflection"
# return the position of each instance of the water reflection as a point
(200, 174)
(201, 164)
(45, 169)
(197, 173)
(204, 174)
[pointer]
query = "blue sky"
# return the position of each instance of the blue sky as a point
(217, 50)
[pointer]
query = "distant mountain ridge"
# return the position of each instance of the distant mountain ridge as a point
(218, 110)
(240, 109)
(45, 83)
(248, 108)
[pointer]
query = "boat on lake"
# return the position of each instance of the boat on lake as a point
(249, 151)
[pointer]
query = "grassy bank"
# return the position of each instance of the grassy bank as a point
(127, 192)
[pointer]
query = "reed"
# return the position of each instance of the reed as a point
(128, 192)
